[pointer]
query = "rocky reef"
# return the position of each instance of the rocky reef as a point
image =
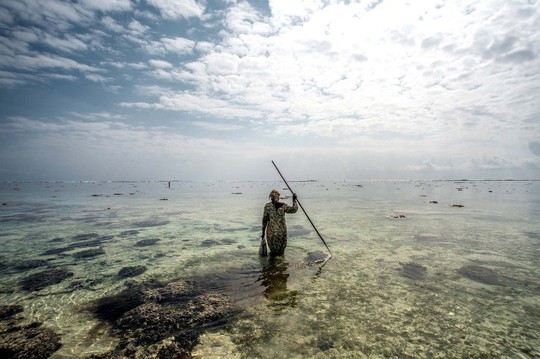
(28, 341)
(163, 319)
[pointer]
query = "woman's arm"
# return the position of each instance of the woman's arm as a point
(294, 207)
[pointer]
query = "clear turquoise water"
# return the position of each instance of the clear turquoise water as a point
(360, 304)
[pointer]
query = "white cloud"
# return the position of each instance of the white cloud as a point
(160, 64)
(136, 28)
(213, 126)
(177, 45)
(108, 5)
(175, 9)
(111, 24)
(97, 78)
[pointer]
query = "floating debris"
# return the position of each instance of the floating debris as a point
(397, 216)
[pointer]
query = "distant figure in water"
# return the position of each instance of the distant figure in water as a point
(274, 225)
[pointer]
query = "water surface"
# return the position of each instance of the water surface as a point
(435, 269)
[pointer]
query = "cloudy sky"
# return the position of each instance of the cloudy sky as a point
(216, 89)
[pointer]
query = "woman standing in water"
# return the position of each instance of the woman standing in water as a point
(274, 225)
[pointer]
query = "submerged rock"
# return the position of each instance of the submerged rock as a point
(315, 257)
(480, 274)
(413, 270)
(7, 311)
(131, 271)
(38, 281)
(31, 341)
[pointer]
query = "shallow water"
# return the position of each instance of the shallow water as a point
(444, 282)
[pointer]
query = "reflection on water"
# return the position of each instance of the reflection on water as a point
(274, 278)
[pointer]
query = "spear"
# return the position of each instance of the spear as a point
(309, 219)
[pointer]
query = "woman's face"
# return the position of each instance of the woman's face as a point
(275, 195)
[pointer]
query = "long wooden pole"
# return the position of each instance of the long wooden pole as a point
(309, 219)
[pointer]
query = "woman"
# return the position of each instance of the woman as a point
(274, 224)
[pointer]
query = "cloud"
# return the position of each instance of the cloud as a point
(108, 5)
(176, 45)
(43, 61)
(97, 78)
(111, 24)
(218, 126)
(176, 9)
(160, 64)
(55, 14)
(494, 162)
(534, 146)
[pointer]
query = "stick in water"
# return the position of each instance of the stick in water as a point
(309, 219)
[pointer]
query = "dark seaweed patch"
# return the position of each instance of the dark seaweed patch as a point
(228, 241)
(8, 311)
(85, 236)
(150, 223)
(133, 232)
(147, 242)
(480, 274)
(413, 270)
(38, 281)
(533, 235)
(52, 251)
(31, 264)
(299, 231)
(131, 271)
(89, 253)
(209, 243)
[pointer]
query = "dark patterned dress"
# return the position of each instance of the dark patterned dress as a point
(276, 227)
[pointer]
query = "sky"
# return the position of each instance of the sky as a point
(217, 89)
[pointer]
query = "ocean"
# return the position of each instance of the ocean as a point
(419, 269)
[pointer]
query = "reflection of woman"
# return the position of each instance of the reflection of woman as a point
(274, 224)
(274, 278)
